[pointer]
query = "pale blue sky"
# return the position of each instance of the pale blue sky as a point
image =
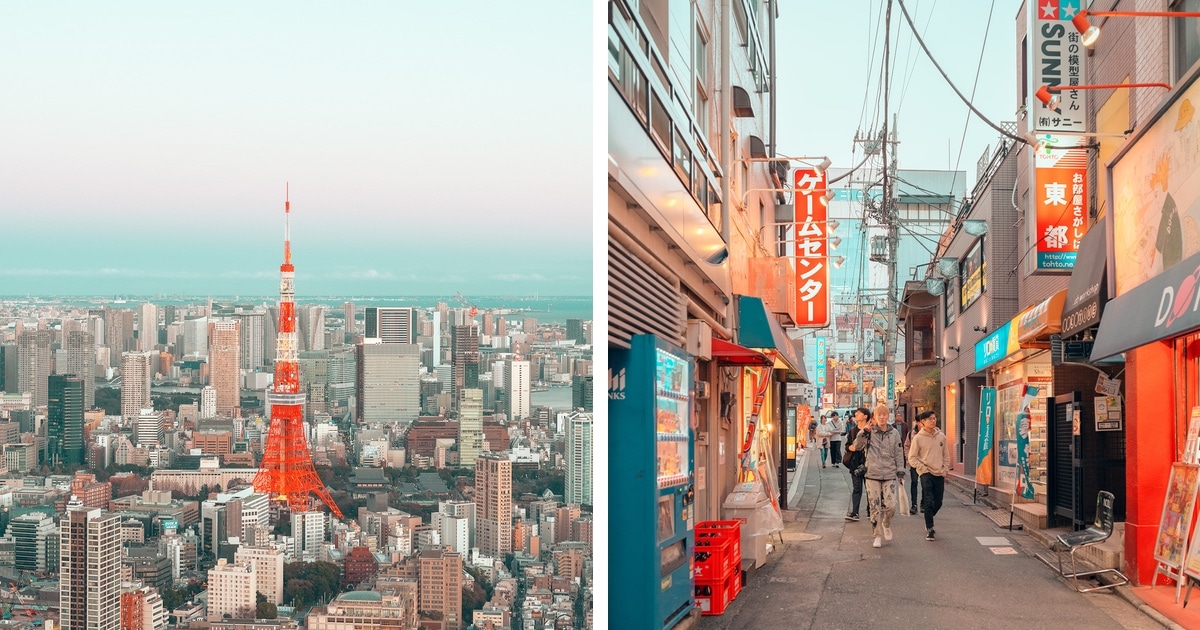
(829, 57)
(431, 147)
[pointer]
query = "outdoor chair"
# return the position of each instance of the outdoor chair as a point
(1070, 543)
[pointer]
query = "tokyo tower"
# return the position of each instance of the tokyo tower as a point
(286, 473)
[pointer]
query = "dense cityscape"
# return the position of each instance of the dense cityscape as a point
(134, 428)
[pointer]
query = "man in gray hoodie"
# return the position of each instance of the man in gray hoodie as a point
(929, 454)
(885, 465)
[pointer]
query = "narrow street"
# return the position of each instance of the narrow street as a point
(826, 574)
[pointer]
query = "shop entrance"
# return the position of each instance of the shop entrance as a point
(1085, 457)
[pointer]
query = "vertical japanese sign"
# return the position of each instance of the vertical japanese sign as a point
(1058, 58)
(987, 423)
(1024, 426)
(820, 379)
(812, 250)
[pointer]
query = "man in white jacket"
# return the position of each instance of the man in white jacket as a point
(929, 454)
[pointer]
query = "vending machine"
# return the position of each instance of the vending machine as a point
(651, 517)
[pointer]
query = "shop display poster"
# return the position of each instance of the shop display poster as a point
(1176, 519)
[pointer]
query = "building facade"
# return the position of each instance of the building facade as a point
(493, 496)
(225, 361)
(89, 570)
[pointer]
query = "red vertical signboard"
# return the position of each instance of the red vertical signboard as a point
(812, 249)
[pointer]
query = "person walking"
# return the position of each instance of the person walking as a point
(913, 477)
(861, 422)
(930, 455)
(823, 433)
(885, 468)
(837, 433)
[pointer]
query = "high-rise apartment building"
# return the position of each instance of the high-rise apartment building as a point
(464, 360)
(389, 382)
(147, 327)
(135, 384)
(89, 585)
(81, 361)
(232, 590)
(33, 364)
(493, 496)
(268, 569)
(64, 416)
(35, 542)
(578, 488)
(391, 324)
(308, 528)
(518, 390)
(142, 609)
(439, 584)
(224, 364)
(118, 333)
(348, 321)
(195, 337)
(470, 427)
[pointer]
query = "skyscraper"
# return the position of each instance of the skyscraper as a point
(64, 411)
(252, 326)
(493, 496)
(348, 320)
(391, 324)
(578, 488)
(311, 319)
(575, 331)
(81, 361)
(464, 360)
(439, 582)
(147, 328)
(389, 386)
(518, 390)
(35, 542)
(225, 361)
(470, 427)
(118, 333)
(135, 384)
(89, 584)
(33, 364)
(581, 392)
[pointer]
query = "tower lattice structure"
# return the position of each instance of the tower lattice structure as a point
(286, 473)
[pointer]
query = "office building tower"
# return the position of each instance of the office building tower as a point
(311, 319)
(578, 488)
(8, 368)
(33, 364)
(460, 510)
(149, 429)
(308, 529)
(390, 324)
(464, 360)
(224, 364)
(348, 321)
(439, 583)
(64, 415)
(195, 337)
(169, 314)
(147, 327)
(529, 325)
(268, 569)
(493, 496)
(232, 590)
(575, 332)
(118, 333)
(252, 323)
(438, 318)
(501, 327)
(80, 349)
(35, 542)
(470, 427)
(389, 388)
(518, 390)
(208, 402)
(341, 375)
(488, 324)
(135, 384)
(581, 392)
(89, 584)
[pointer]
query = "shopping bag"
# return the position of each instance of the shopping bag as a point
(903, 505)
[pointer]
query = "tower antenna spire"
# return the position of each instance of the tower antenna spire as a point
(287, 222)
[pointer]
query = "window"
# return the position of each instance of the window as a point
(1185, 33)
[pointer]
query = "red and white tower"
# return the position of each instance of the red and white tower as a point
(286, 472)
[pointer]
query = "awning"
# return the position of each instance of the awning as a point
(732, 354)
(1037, 323)
(1088, 290)
(756, 329)
(1162, 307)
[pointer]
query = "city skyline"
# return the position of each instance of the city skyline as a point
(164, 173)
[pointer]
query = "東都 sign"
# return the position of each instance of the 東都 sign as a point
(812, 250)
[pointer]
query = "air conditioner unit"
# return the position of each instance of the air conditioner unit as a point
(699, 339)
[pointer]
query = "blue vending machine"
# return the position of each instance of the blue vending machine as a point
(651, 518)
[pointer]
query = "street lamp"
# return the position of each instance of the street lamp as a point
(1091, 32)
(1044, 95)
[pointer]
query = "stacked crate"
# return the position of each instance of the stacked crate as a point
(717, 565)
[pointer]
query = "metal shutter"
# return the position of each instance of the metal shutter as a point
(641, 301)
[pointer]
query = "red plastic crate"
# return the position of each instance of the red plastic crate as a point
(716, 555)
(714, 596)
(732, 528)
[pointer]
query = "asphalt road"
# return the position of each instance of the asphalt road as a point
(825, 574)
